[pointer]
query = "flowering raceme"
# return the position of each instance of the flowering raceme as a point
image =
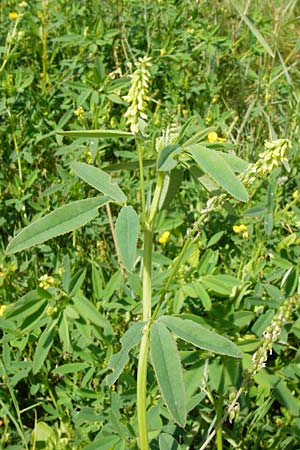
(138, 94)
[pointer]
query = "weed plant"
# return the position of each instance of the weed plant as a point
(193, 103)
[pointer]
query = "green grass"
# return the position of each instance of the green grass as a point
(225, 67)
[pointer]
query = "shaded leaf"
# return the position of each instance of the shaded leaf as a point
(43, 346)
(118, 361)
(88, 311)
(165, 160)
(167, 442)
(167, 365)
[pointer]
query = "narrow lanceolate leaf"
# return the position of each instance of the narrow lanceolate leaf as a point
(88, 311)
(127, 232)
(99, 180)
(118, 361)
(97, 134)
(43, 346)
(212, 163)
(254, 30)
(63, 220)
(201, 337)
(166, 362)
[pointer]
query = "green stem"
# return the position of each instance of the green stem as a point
(141, 391)
(142, 184)
(143, 357)
(219, 436)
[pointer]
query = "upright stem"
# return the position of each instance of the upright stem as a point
(143, 357)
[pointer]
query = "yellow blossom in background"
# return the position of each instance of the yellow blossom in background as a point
(46, 281)
(163, 239)
(239, 228)
(13, 15)
(245, 235)
(2, 309)
(296, 194)
(214, 100)
(212, 137)
(79, 112)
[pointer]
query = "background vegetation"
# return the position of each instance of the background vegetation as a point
(235, 78)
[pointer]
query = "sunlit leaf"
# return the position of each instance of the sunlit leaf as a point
(63, 220)
(99, 180)
(167, 365)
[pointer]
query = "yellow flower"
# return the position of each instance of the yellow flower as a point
(212, 137)
(214, 100)
(245, 235)
(2, 309)
(164, 237)
(296, 194)
(13, 15)
(240, 229)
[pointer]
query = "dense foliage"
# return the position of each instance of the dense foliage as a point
(226, 75)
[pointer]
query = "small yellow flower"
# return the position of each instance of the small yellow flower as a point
(214, 100)
(212, 137)
(162, 51)
(296, 194)
(13, 15)
(240, 228)
(245, 235)
(164, 237)
(2, 309)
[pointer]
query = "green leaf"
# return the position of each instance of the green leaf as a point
(70, 368)
(220, 284)
(97, 134)
(165, 160)
(118, 361)
(237, 164)
(99, 180)
(212, 163)
(88, 311)
(167, 442)
(127, 231)
(167, 365)
(201, 337)
(254, 30)
(63, 220)
(43, 346)
(171, 185)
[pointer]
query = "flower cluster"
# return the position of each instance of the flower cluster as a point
(138, 94)
(275, 154)
(272, 333)
(169, 136)
(241, 229)
(46, 281)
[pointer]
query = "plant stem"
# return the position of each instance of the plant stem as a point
(142, 184)
(141, 391)
(219, 437)
(143, 357)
